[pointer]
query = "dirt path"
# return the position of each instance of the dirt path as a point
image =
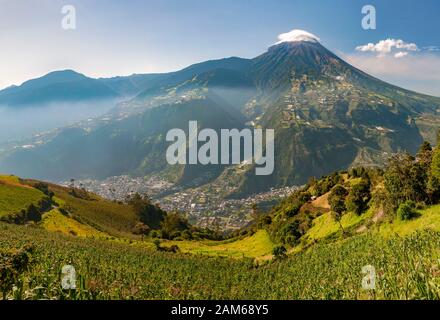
(376, 218)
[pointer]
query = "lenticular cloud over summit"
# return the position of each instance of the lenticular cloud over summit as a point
(297, 35)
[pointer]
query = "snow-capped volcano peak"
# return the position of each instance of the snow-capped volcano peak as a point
(297, 35)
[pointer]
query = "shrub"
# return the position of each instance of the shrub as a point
(157, 244)
(173, 224)
(290, 233)
(12, 264)
(407, 210)
(141, 229)
(293, 210)
(279, 252)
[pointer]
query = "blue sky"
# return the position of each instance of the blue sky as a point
(125, 37)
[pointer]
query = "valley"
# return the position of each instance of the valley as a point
(355, 184)
(323, 256)
(333, 115)
(204, 207)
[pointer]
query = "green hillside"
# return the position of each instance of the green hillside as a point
(255, 246)
(106, 216)
(16, 197)
(111, 270)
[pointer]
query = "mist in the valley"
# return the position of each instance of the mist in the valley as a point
(19, 123)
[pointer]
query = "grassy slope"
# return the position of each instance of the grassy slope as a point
(94, 217)
(325, 225)
(55, 221)
(14, 196)
(429, 219)
(105, 216)
(324, 271)
(257, 245)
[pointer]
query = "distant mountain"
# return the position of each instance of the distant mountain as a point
(130, 86)
(59, 86)
(327, 116)
(136, 144)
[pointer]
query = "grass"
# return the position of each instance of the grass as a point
(9, 179)
(325, 225)
(55, 221)
(15, 197)
(428, 219)
(106, 216)
(255, 246)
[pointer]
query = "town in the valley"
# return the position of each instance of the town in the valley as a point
(203, 209)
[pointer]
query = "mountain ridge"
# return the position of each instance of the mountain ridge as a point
(327, 114)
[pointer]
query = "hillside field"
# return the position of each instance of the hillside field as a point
(327, 262)
(325, 271)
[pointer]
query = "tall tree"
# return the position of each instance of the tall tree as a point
(358, 197)
(336, 200)
(405, 179)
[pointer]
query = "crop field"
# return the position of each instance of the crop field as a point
(406, 268)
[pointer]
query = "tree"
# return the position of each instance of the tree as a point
(336, 200)
(405, 179)
(359, 197)
(295, 202)
(255, 212)
(148, 213)
(44, 187)
(435, 165)
(172, 224)
(290, 233)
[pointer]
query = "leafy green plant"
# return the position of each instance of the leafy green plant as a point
(12, 264)
(407, 210)
(279, 252)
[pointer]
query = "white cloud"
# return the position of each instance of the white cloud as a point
(400, 54)
(297, 35)
(420, 72)
(385, 47)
